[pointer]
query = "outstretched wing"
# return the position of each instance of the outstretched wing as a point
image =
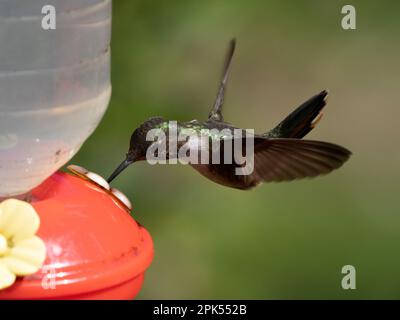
(279, 160)
(290, 159)
(216, 112)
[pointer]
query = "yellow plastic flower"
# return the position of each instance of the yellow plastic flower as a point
(21, 252)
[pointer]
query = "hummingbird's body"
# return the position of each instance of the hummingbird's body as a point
(279, 154)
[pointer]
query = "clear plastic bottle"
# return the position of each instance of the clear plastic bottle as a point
(54, 86)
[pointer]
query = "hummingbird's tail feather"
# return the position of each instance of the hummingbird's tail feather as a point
(216, 112)
(302, 120)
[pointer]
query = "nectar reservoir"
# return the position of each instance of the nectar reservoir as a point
(54, 86)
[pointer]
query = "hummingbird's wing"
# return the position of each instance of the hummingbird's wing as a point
(216, 112)
(277, 160)
(290, 159)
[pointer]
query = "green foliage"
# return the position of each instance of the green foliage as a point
(286, 240)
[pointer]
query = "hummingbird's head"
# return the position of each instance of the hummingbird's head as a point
(138, 145)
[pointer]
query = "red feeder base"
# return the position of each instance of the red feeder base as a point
(95, 249)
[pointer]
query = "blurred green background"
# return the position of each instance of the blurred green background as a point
(287, 240)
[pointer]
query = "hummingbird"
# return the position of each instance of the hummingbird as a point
(280, 154)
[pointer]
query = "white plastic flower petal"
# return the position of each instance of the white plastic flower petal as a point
(18, 220)
(78, 170)
(18, 266)
(3, 244)
(97, 179)
(30, 251)
(122, 197)
(7, 278)
(21, 252)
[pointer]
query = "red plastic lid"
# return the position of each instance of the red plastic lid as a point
(92, 243)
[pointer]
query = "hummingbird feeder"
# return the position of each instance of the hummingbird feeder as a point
(54, 89)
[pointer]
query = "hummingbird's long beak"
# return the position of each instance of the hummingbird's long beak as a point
(119, 169)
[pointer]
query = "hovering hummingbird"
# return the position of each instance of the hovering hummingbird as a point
(279, 154)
